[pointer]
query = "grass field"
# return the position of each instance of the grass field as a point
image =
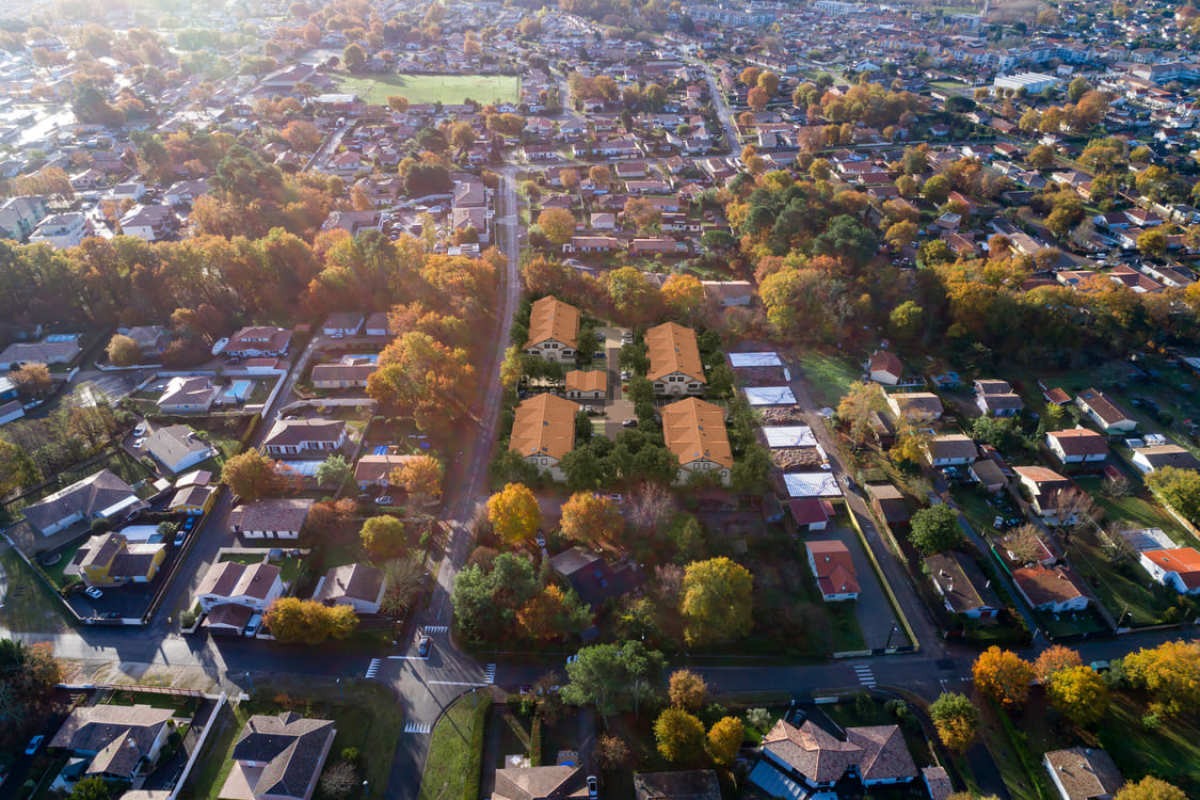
(1170, 752)
(446, 89)
(829, 376)
(452, 768)
(1120, 591)
(28, 606)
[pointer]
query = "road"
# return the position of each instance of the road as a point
(724, 114)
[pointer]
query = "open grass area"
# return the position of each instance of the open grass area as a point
(184, 705)
(446, 89)
(847, 635)
(1137, 511)
(452, 768)
(829, 375)
(1125, 591)
(1017, 758)
(1171, 751)
(28, 606)
(55, 571)
(289, 568)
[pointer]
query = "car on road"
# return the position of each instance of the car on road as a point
(180, 538)
(423, 646)
(593, 787)
(629, 423)
(383, 500)
(34, 744)
(93, 592)
(140, 430)
(252, 626)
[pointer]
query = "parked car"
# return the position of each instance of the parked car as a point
(180, 538)
(423, 646)
(252, 626)
(93, 592)
(383, 500)
(34, 744)
(593, 787)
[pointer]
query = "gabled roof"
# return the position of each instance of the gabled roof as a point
(886, 361)
(1080, 442)
(673, 348)
(952, 445)
(88, 497)
(297, 431)
(1184, 561)
(694, 430)
(233, 579)
(538, 783)
(275, 514)
(293, 747)
(834, 567)
(351, 582)
(879, 752)
(544, 426)
(551, 318)
(1105, 409)
(118, 735)
(1085, 772)
(1041, 585)
(593, 380)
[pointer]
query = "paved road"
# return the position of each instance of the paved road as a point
(724, 114)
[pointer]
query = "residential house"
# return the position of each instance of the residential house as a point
(291, 437)
(952, 449)
(1077, 446)
(587, 385)
(889, 503)
(50, 351)
(988, 474)
(799, 760)
(276, 518)
(559, 782)
(150, 339)
(252, 586)
(184, 193)
(377, 325)
(1149, 459)
(937, 783)
(342, 376)
(691, 784)
(188, 395)
(1177, 567)
(553, 330)
(593, 578)
(1083, 773)
(152, 223)
(19, 216)
(919, 405)
(359, 586)
(117, 740)
(101, 495)
(1045, 589)
(192, 500)
(278, 757)
(544, 431)
(1046, 489)
(1104, 412)
(729, 294)
(996, 398)
(258, 341)
(675, 366)
(111, 560)
(694, 431)
(177, 447)
(375, 469)
(885, 367)
(593, 244)
(62, 231)
(962, 586)
(342, 323)
(833, 567)
(809, 514)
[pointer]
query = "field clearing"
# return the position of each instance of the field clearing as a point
(446, 89)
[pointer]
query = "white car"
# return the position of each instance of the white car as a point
(93, 592)
(383, 500)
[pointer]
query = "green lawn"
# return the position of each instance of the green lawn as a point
(452, 768)
(1172, 752)
(446, 89)
(847, 635)
(29, 607)
(1120, 590)
(829, 376)
(1019, 765)
(289, 568)
(1137, 511)
(55, 572)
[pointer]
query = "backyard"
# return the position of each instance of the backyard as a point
(289, 566)
(27, 606)
(446, 89)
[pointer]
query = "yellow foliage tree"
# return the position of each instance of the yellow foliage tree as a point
(1079, 693)
(725, 739)
(1054, 658)
(557, 224)
(590, 518)
(1002, 675)
(421, 478)
(956, 720)
(687, 690)
(514, 513)
(680, 735)
(290, 619)
(1170, 673)
(717, 601)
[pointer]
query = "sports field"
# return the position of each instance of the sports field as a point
(448, 89)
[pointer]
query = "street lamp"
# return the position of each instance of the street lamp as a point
(889, 639)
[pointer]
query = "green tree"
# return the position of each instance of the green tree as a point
(935, 529)
(93, 788)
(335, 471)
(1179, 488)
(936, 189)
(906, 321)
(354, 57)
(680, 736)
(16, 468)
(486, 598)
(956, 720)
(716, 601)
(613, 677)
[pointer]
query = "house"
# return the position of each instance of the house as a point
(691, 784)
(592, 244)
(921, 405)
(1104, 412)
(1083, 773)
(11, 410)
(675, 366)
(1045, 487)
(49, 351)
(375, 469)
(832, 566)
(952, 449)
(729, 294)
(553, 330)
(117, 740)
(193, 500)
(1077, 446)
(544, 431)
(809, 514)
(1149, 459)
(341, 376)
(150, 339)
(151, 223)
(290, 437)
(560, 782)
(19, 216)
(61, 231)
(177, 447)
(342, 323)
(1177, 567)
(694, 431)
(889, 503)
(937, 782)
(277, 518)
(188, 395)
(278, 757)
(359, 586)
(996, 398)
(111, 560)
(258, 341)
(816, 759)
(377, 325)
(962, 586)
(587, 385)
(593, 578)
(254, 586)
(1045, 589)
(885, 367)
(811, 484)
(99, 496)
(987, 473)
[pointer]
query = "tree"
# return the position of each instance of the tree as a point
(291, 619)
(757, 98)
(1153, 242)
(557, 224)
(725, 739)
(553, 613)
(397, 103)
(122, 351)
(16, 468)
(338, 781)
(354, 57)
(680, 736)
(935, 529)
(1077, 88)
(611, 753)
(600, 175)
(384, 537)
(906, 320)
(956, 720)
(1053, 659)
(687, 690)
(901, 234)
(462, 135)
(486, 597)
(1002, 675)
(716, 601)
(1179, 488)
(514, 513)
(769, 82)
(936, 189)
(335, 471)
(1170, 673)
(683, 294)
(590, 518)
(302, 135)
(634, 297)
(404, 579)
(421, 478)
(1040, 157)
(749, 76)
(1150, 788)
(855, 407)
(613, 676)
(1080, 693)
(31, 379)
(93, 788)
(251, 476)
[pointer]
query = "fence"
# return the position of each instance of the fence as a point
(195, 754)
(883, 581)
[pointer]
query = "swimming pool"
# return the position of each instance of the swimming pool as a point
(240, 390)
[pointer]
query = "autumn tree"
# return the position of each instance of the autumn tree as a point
(611, 753)
(725, 739)
(553, 613)
(935, 529)
(1054, 658)
(397, 103)
(757, 98)
(1002, 675)
(558, 225)
(569, 177)
(302, 135)
(290, 619)
(251, 476)
(122, 351)
(716, 601)
(335, 471)
(590, 518)
(749, 76)
(956, 720)
(635, 299)
(16, 467)
(1040, 157)
(600, 175)
(1079, 693)
(31, 379)
(1150, 788)
(421, 478)
(769, 82)
(679, 735)
(384, 537)
(1179, 488)
(1169, 673)
(354, 57)
(514, 513)
(425, 378)
(687, 690)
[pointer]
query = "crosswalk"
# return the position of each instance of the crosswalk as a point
(417, 727)
(489, 673)
(429, 630)
(865, 676)
(373, 667)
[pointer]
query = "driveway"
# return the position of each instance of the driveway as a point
(874, 612)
